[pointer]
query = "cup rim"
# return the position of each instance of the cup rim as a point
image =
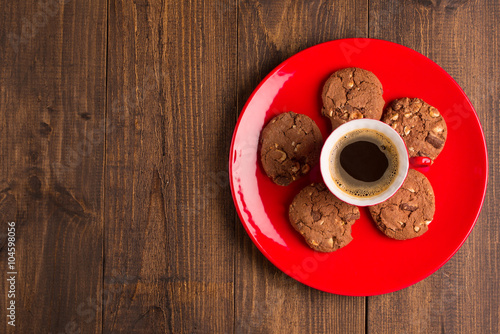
(356, 125)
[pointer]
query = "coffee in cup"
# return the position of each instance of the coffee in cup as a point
(364, 162)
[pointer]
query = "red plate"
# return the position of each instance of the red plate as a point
(372, 263)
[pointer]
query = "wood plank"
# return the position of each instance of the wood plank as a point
(171, 110)
(462, 37)
(267, 300)
(52, 104)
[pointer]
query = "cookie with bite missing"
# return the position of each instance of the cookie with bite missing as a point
(408, 213)
(323, 220)
(352, 93)
(419, 124)
(290, 146)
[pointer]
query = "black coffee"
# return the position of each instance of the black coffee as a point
(364, 163)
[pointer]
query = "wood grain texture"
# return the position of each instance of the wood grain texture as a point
(267, 300)
(169, 244)
(52, 103)
(464, 295)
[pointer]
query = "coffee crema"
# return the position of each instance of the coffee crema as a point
(364, 163)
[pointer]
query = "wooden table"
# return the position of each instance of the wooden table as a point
(116, 121)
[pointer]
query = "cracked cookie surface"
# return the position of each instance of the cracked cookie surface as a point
(323, 220)
(290, 146)
(408, 213)
(352, 93)
(419, 124)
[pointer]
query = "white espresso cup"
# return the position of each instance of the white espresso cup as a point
(398, 171)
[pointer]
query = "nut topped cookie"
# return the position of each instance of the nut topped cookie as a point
(419, 124)
(290, 146)
(323, 220)
(408, 213)
(352, 93)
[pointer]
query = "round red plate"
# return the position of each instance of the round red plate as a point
(372, 263)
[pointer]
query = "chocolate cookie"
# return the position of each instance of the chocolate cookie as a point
(422, 127)
(323, 220)
(408, 213)
(290, 146)
(352, 93)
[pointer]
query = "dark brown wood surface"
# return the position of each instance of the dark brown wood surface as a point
(52, 107)
(115, 124)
